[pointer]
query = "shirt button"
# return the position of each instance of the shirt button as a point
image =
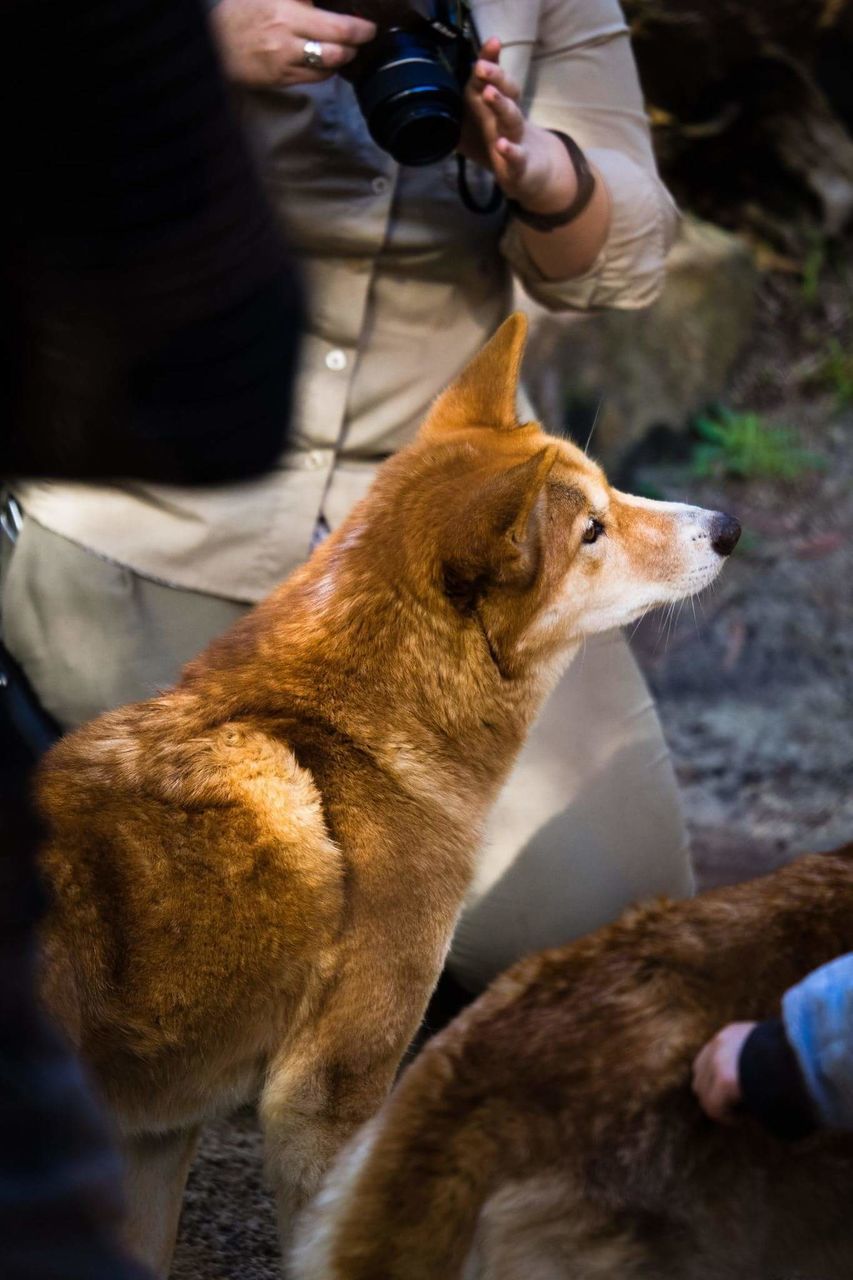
(336, 360)
(380, 185)
(316, 458)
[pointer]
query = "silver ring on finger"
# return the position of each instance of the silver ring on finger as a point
(312, 55)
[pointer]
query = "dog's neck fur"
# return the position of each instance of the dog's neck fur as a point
(404, 678)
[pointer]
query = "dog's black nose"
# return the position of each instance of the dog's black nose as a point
(724, 534)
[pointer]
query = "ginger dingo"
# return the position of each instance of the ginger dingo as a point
(256, 874)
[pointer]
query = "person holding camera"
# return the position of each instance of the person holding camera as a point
(423, 156)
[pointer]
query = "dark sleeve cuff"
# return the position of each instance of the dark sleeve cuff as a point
(772, 1085)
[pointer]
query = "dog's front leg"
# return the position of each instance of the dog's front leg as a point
(307, 1118)
(156, 1168)
(333, 1078)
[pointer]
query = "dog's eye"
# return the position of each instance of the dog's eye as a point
(593, 529)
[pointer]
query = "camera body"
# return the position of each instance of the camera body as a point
(410, 81)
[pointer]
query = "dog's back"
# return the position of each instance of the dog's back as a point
(551, 1130)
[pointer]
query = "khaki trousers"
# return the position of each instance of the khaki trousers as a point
(588, 822)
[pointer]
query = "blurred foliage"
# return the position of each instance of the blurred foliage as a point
(837, 373)
(814, 263)
(744, 446)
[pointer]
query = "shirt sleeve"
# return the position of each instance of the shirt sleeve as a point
(818, 1017)
(583, 81)
(771, 1082)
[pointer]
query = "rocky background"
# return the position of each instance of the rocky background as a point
(736, 392)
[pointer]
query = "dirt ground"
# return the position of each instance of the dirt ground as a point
(755, 691)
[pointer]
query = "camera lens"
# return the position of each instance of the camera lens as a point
(410, 98)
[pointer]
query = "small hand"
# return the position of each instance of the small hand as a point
(262, 42)
(529, 163)
(716, 1082)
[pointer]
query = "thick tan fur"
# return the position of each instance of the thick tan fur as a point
(257, 874)
(550, 1132)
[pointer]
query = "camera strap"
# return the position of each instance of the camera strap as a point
(494, 199)
(464, 20)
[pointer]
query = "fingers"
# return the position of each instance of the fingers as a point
(339, 35)
(335, 29)
(502, 124)
(494, 96)
(509, 120)
(262, 42)
(715, 1072)
(510, 162)
(490, 73)
(493, 99)
(334, 56)
(708, 1086)
(302, 75)
(491, 49)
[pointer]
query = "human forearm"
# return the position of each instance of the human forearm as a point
(535, 171)
(751, 1068)
(570, 250)
(772, 1088)
(818, 1018)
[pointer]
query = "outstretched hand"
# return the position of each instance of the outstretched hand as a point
(530, 165)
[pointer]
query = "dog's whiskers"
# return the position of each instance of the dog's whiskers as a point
(636, 626)
(664, 618)
(670, 623)
(594, 424)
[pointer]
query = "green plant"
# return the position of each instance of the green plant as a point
(744, 446)
(648, 489)
(837, 372)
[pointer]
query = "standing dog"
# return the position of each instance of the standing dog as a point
(256, 875)
(550, 1133)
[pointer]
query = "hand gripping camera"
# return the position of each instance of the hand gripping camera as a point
(410, 80)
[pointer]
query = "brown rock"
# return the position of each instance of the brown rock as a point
(654, 367)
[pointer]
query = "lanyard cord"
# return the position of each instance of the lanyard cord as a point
(465, 22)
(494, 200)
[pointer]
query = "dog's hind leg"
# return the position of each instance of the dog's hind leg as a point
(156, 1169)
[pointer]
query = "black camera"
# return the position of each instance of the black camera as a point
(410, 80)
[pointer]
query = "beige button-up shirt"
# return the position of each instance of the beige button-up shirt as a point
(405, 285)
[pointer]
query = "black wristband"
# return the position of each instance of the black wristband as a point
(772, 1085)
(586, 189)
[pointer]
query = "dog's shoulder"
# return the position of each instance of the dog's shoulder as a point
(160, 782)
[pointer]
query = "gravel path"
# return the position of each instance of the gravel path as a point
(228, 1227)
(756, 696)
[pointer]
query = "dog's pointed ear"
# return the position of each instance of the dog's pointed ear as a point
(495, 538)
(513, 495)
(486, 391)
